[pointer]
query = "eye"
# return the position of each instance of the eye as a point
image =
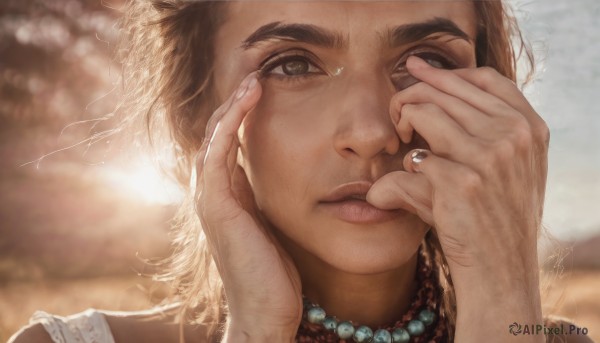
(290, 65)
(436, 60)
(402, 78)
(293, 66)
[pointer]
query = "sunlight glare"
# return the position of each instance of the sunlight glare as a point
(143, 181)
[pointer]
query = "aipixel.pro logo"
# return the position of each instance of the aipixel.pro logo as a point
(538, 329)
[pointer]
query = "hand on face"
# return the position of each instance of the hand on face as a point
(482, 184)
(245, 254)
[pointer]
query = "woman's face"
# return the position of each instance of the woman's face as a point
(329, 70)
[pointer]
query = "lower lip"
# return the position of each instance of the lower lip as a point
(360, 212)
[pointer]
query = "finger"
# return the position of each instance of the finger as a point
(216, 171)
(443, 135)
(224, 108)
(473, 121)
(485, 89)
(489, 80)
(216, 117)
(452, 84)
(440, 172)
(402, 190)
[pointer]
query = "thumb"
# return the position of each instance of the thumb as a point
(403, 190)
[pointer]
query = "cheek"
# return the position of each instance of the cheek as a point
(284, 140)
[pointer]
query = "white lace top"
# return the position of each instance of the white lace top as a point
(89, 326)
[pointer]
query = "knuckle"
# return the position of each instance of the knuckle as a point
(470, 183)
(503, 108)
(523, 138)
(542, 134)
(489, 71)
(488, 75)
(409, 111)
(504, 151)
(395, 103)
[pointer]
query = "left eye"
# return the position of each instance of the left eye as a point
(289, 66)
(293, 67)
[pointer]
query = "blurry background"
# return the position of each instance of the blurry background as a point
(76, 224)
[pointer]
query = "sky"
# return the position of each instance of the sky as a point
(566, 93)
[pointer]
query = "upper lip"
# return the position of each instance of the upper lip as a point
(351, 190)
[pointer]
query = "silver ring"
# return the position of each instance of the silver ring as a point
(417, 156)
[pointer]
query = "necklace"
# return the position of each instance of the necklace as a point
(420, 324)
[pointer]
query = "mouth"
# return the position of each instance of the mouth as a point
(349, 191)
(348, 202)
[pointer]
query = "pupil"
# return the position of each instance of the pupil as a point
(295, 67)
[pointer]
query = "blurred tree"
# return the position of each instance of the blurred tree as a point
(55, 63)
(58, 86)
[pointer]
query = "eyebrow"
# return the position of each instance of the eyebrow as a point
(315, 35)
(410, 33)
(306, 33)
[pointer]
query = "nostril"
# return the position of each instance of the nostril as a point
(350, 150)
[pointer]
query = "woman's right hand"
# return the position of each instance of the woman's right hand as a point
(261, 282)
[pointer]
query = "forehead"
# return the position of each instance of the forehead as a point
(350, 18)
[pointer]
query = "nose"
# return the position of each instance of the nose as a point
(364, 128)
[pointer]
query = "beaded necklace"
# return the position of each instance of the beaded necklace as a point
(420, 324)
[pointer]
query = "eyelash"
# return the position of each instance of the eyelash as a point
(280, 59)
(277, 60)
(426, 54)
(402, 79)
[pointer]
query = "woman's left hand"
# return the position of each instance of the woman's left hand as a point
(481, 185)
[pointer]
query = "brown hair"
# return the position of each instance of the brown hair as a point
(167, 60)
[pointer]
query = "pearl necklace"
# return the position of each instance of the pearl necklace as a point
(317, 326)
(363, 333)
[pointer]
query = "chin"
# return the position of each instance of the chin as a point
(373, 249)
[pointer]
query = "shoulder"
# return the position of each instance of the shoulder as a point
(160, 325)
(33, 333)
(86, 326)
(565, 330)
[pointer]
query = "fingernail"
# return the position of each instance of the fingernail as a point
(253, 82)
(248, 83)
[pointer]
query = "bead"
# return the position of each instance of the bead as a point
(400, 336)
(426, 316)
(316, 315)
(415, 327)
(363, 334)
(382, 336)
(330, 323)
(306, 304)
(345, 330)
